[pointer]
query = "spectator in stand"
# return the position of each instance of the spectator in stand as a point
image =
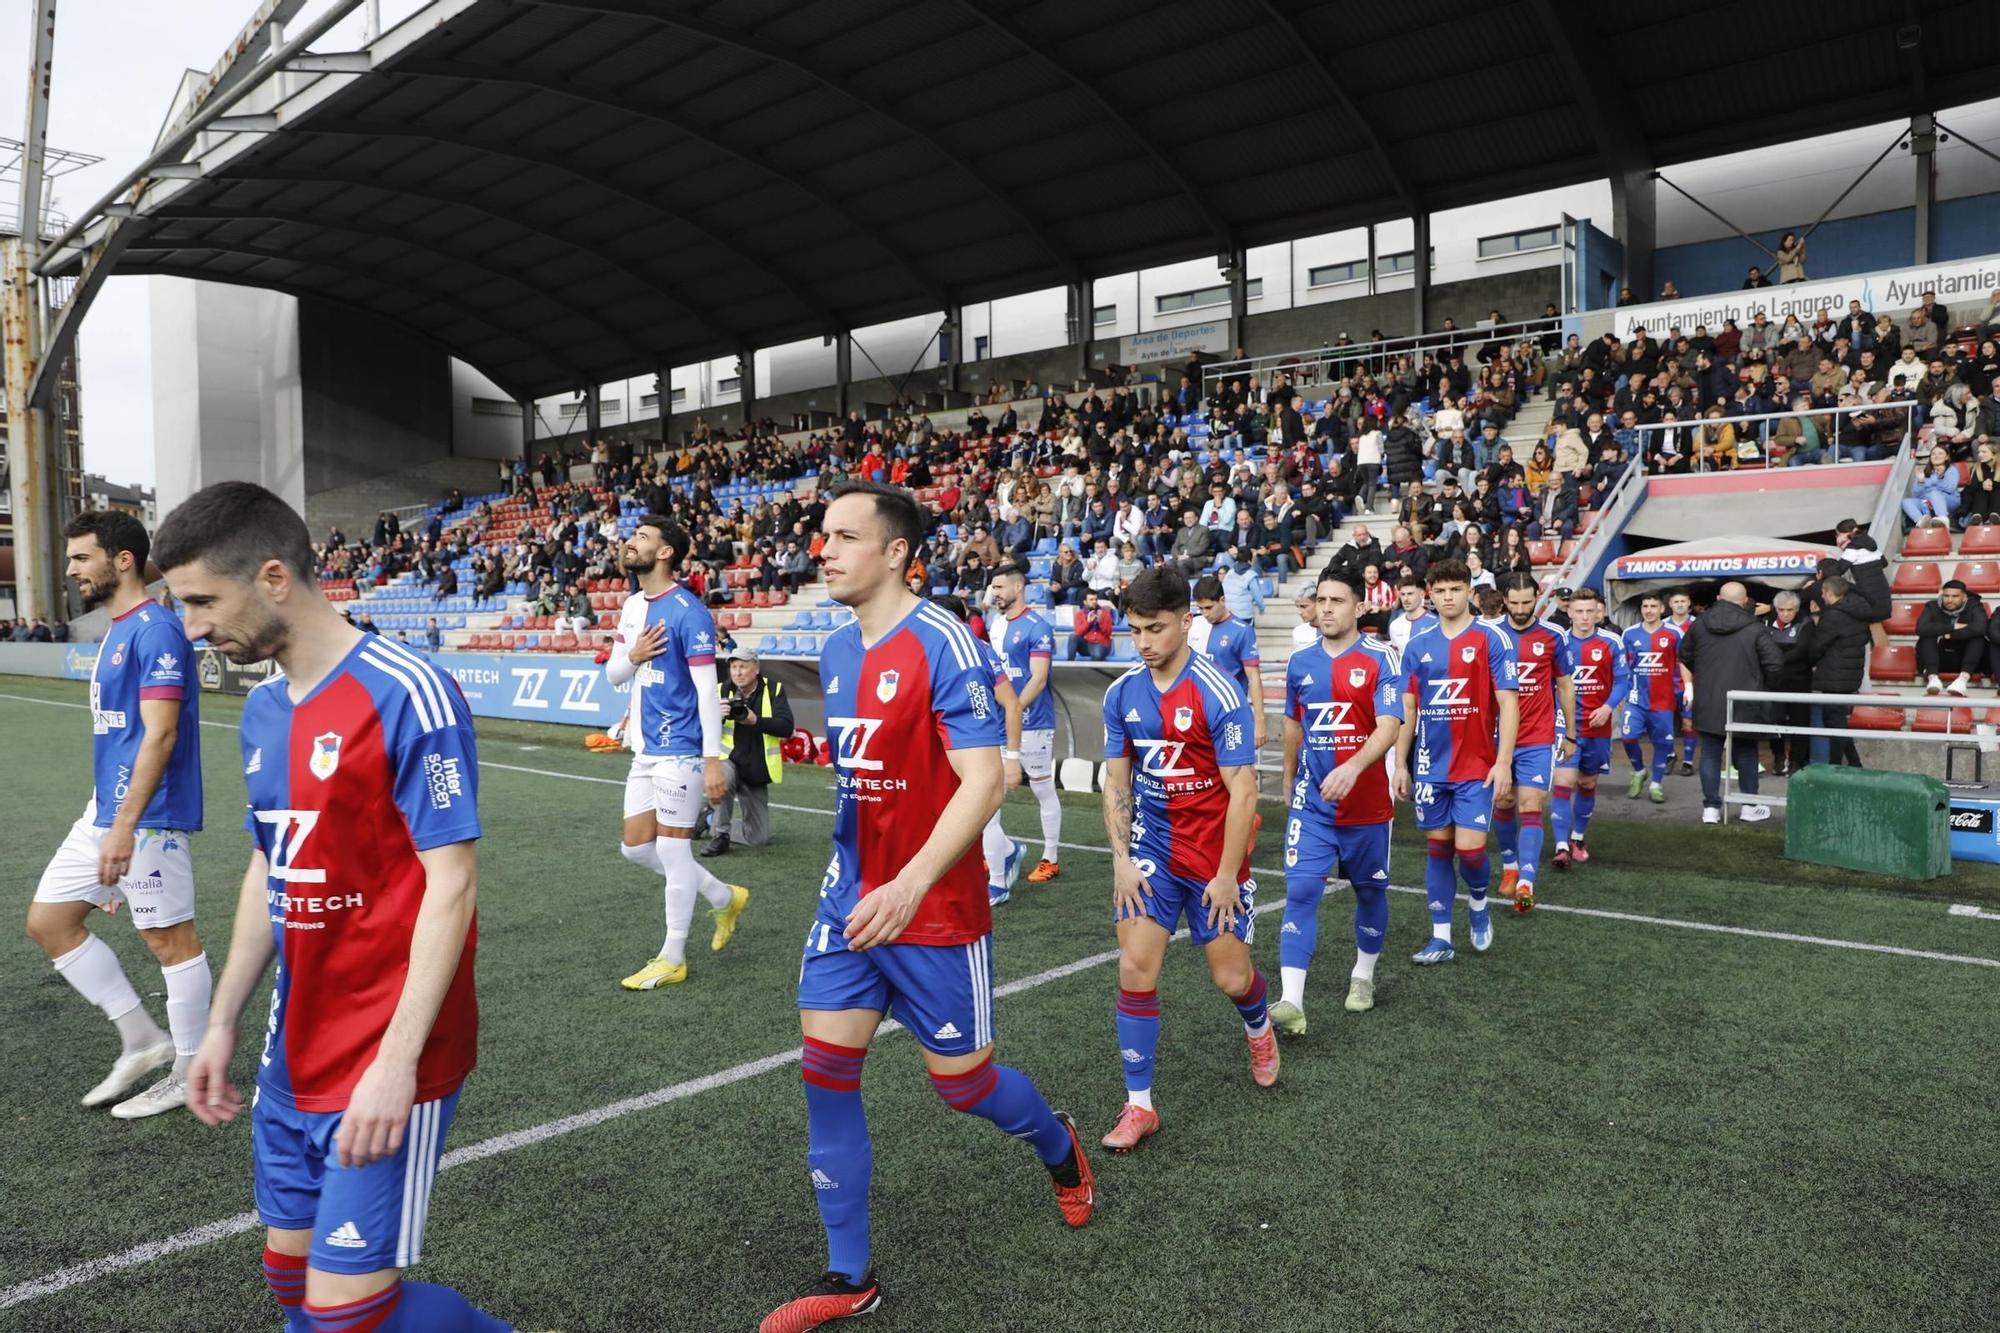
(1727, 649)
(1016, 536)
(1716, 440)
(973, 576)
(1066, 578)
(1091, 628)
(447, 584)
(1839, 652)
(433, 636)
(1755, 279)
(1376, 591)
(1934, 492)
(1100, 571)
(1793, 635)
(1790, 258)
(1954, 418)
(1980, 497)
(1130, 566)
(1242, 591)
(1192, 545)
(1951, 640)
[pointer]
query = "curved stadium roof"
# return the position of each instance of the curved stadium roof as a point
(561, 191)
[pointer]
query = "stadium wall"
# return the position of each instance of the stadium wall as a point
(1960, 229)
(377, 398)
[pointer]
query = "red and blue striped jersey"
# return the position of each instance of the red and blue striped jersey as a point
(145, 655)
(1654, 657)
(346, 786)
(1233, 647)
(1179, 740)
(894, 713)
(1337, 701)
(1020, 639)
(1538, 664)
(666, 711)
(1457, 684)
(1596, 666)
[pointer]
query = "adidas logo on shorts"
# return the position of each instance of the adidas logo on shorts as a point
(347, 1236)
(949, 1032)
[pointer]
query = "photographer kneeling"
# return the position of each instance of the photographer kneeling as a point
(757, 718)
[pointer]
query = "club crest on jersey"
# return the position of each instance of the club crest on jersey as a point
(885, 686)
(1357, 676)
(1467, 653)
(1538, 647)
(325, 755)
(118, 655)
(1183, 718)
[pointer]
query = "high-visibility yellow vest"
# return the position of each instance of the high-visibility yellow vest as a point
(774, 759)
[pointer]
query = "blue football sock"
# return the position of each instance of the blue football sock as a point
(1251, 1006)
(1371, 917)
(1662, 756)
(1138, 1036)
(1586, 802)
(1472, 866)
(1636, 756)
(1531, 844)
(406, 1307)
(1010, 1100)
(1561, 814)
(1505, 825)
(1298, 938)
(839, 1154)
(1687, 748)
(1440, 887)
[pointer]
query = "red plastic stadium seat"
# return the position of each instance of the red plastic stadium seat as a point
(1980, 539)
(1893, 661)
(1903, 617)
(1979, 576)
(1933, 719)
(1567, 549)
(563, 643)
(1868, 717)
(1918, 576)
(1542, 552)
(608, 620)
(1927, 542)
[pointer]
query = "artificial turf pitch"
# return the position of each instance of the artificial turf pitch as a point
(1604, 1123)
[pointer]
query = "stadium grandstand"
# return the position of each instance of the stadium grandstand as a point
(1272, 295)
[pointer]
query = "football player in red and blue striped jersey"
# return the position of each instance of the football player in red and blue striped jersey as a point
(1653, 653)
(1461, 718)
(1548, 711)
(363, 808)
(1180, 792)
(904, 922)
(1594, 657)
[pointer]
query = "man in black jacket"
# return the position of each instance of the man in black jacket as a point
(1839, 656)
(1727, 649)
(757, 716)
(1951, 639)
(1793, 633)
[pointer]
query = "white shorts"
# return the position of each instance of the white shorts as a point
(158, 886)
(670, 787)
(1038, 754)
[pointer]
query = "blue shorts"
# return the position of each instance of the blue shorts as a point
(943, 993)
(1535, 766)
(1654, 724)
(1592, 757)
(1467, 805)
(1314, 845)
(1174, 896)
(362, 1218)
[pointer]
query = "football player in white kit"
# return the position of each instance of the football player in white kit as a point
(665, 649)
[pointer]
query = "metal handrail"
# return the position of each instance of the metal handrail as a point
(1380, 350)
(1695, 423)
(1732, 727)
(1615, 508)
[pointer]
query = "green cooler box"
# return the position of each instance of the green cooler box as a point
(1868, 819)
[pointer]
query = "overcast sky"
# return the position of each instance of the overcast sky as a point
(117, 64)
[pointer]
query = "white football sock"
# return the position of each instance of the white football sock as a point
(1364, 965)
(93, 969)
(993, 842)
(188, 988)
(680, 895)
(1292, 986)
(1441, 932)
(1141, 1098)
(677, 861)
(1051, 810)
(646, 856)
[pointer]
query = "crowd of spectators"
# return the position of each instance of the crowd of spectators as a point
(33, 631)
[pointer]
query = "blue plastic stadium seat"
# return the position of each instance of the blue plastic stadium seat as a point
(769, 644)
(1046, 546)
(1039, 567)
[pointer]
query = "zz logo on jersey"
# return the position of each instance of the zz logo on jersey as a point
(855, 734)
(1649, 663)
(289, 831)
(1162, 759)
(1526, 670)
(1585, 674)
(1449, 691)
(1332, 716)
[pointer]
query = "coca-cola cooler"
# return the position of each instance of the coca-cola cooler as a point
(1975, 822)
